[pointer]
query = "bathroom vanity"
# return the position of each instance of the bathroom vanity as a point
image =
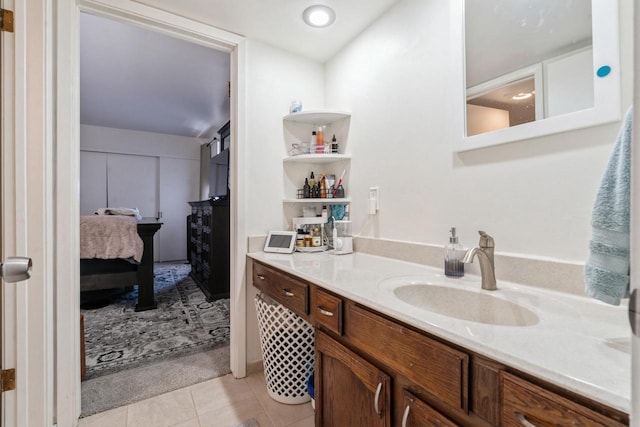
(385, 357)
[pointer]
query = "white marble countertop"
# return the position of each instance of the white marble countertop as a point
(578, 343)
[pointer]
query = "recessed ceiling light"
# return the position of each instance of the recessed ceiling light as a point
(319, 16)
(522, 95)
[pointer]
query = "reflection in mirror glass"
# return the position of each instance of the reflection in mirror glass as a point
(526, 61)
(510, 104)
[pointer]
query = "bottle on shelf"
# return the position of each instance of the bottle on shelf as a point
(340, 192)
(300, 238)
(306, 189)
(316, 239)
(320, 140)
(313, 142)
(323, 188)
(312, 180)
(334, 145)
(454, 253)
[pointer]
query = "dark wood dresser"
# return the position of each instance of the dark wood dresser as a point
(208, 246)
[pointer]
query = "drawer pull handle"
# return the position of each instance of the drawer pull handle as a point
(376, 399)
(325, 312)
(405, 417)
(288, 293)
(261, 277)
(523, 420)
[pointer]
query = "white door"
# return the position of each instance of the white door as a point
(25, 212)
(93, 181)
(179, 182)
(132, 182)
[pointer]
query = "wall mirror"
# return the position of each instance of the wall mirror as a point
(530, 68)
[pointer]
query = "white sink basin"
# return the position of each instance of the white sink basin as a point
(475, 306)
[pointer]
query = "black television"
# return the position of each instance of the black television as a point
(219, 175)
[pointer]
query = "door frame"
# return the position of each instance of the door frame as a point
(67, 165)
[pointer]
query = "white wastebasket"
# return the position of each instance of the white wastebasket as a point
(287, 350)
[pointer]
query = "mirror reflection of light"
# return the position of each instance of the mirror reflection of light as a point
(521, 96)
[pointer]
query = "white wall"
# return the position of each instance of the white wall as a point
(173, 151)
(274, 78)
(535, 197)
(125, 141)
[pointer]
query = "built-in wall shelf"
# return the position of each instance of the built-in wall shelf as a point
(317, 117)
(317, 158)
(297, 131)
(329, 201)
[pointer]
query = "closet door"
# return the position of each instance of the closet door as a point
(179, 183)
(93, 181)
(132, 182)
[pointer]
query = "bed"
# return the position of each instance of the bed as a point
(117, 251)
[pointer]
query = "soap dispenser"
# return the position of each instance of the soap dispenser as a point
(454, 253)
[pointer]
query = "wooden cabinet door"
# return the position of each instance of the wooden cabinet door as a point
(349, 390)
(418, 414)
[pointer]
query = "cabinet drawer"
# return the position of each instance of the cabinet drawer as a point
(433, 366)
(288, 291)
(524, 402)
(328, 311)
(416, 413)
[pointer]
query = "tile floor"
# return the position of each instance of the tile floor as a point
(220, 402)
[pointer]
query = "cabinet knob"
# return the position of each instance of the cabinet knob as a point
(325, 312)
(523, 420)
(376, 399)
(405, 416)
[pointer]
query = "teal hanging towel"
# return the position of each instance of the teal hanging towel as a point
(607, 269)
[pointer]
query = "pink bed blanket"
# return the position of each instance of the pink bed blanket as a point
(110, 236)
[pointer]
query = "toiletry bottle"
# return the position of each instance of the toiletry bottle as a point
(323, 188)
(300, 238)
(454, 253)
(320, 140)
(334, 145)
(313, 142)
(306, 189)
(316, 239)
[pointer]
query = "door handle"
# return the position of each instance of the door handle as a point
(376, 400)
(16, 269)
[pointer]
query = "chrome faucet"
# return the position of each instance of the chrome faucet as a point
(484, 251)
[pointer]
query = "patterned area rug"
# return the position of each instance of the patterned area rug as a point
(118, 338)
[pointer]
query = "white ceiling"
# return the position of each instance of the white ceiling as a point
(132, 78)
(279, 22)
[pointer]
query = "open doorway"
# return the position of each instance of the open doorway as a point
(151, 110)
